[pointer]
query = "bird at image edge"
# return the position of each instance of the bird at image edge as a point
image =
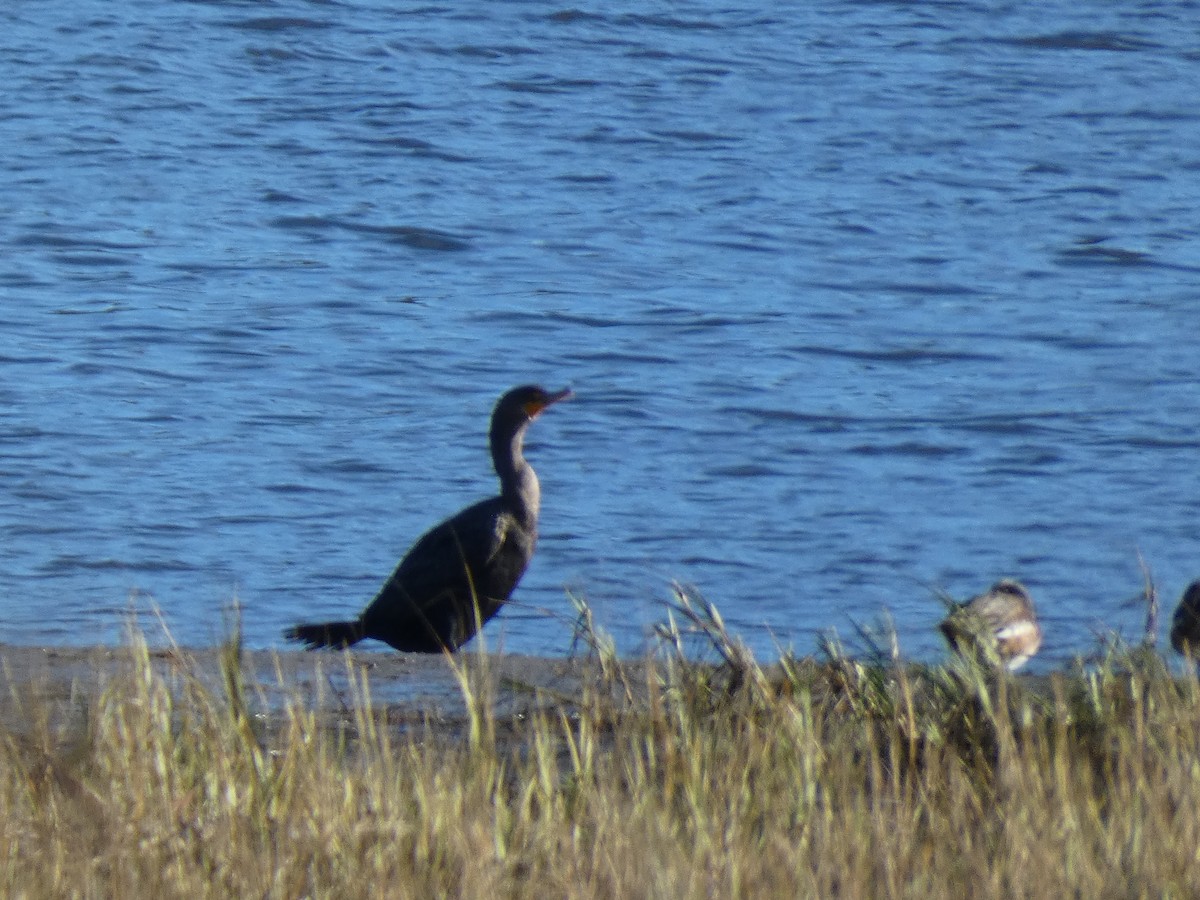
(1185, 627)
(459, 574)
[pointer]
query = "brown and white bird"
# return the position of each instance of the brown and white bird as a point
(999, 625)
(1185, 627)
(459, 574)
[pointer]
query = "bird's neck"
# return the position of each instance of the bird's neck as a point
(518, 482)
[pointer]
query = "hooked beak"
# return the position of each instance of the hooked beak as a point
(534, 409)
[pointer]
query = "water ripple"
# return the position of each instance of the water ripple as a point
(1083, 40)
(872, 297)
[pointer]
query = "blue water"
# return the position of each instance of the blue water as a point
(860, 301)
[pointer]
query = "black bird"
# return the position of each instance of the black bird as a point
(1185, 627)
(458, 575)
(1001, 624)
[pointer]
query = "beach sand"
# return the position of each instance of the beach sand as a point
(412, 688)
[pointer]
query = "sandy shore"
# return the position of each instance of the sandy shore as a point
(411, 686)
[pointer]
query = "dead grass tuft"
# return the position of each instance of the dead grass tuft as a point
(664, 777)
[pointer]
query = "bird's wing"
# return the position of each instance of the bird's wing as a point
(452, 556)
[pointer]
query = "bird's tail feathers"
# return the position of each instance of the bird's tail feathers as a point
(327, 634)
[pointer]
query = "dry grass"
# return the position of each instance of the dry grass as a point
(668, 778)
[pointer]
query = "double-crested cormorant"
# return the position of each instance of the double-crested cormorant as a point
(1185, 627)
(1001, 624)
(458, 575)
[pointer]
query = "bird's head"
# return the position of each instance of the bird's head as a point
(529, 400)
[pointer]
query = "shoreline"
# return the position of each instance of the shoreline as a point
(412, 687)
